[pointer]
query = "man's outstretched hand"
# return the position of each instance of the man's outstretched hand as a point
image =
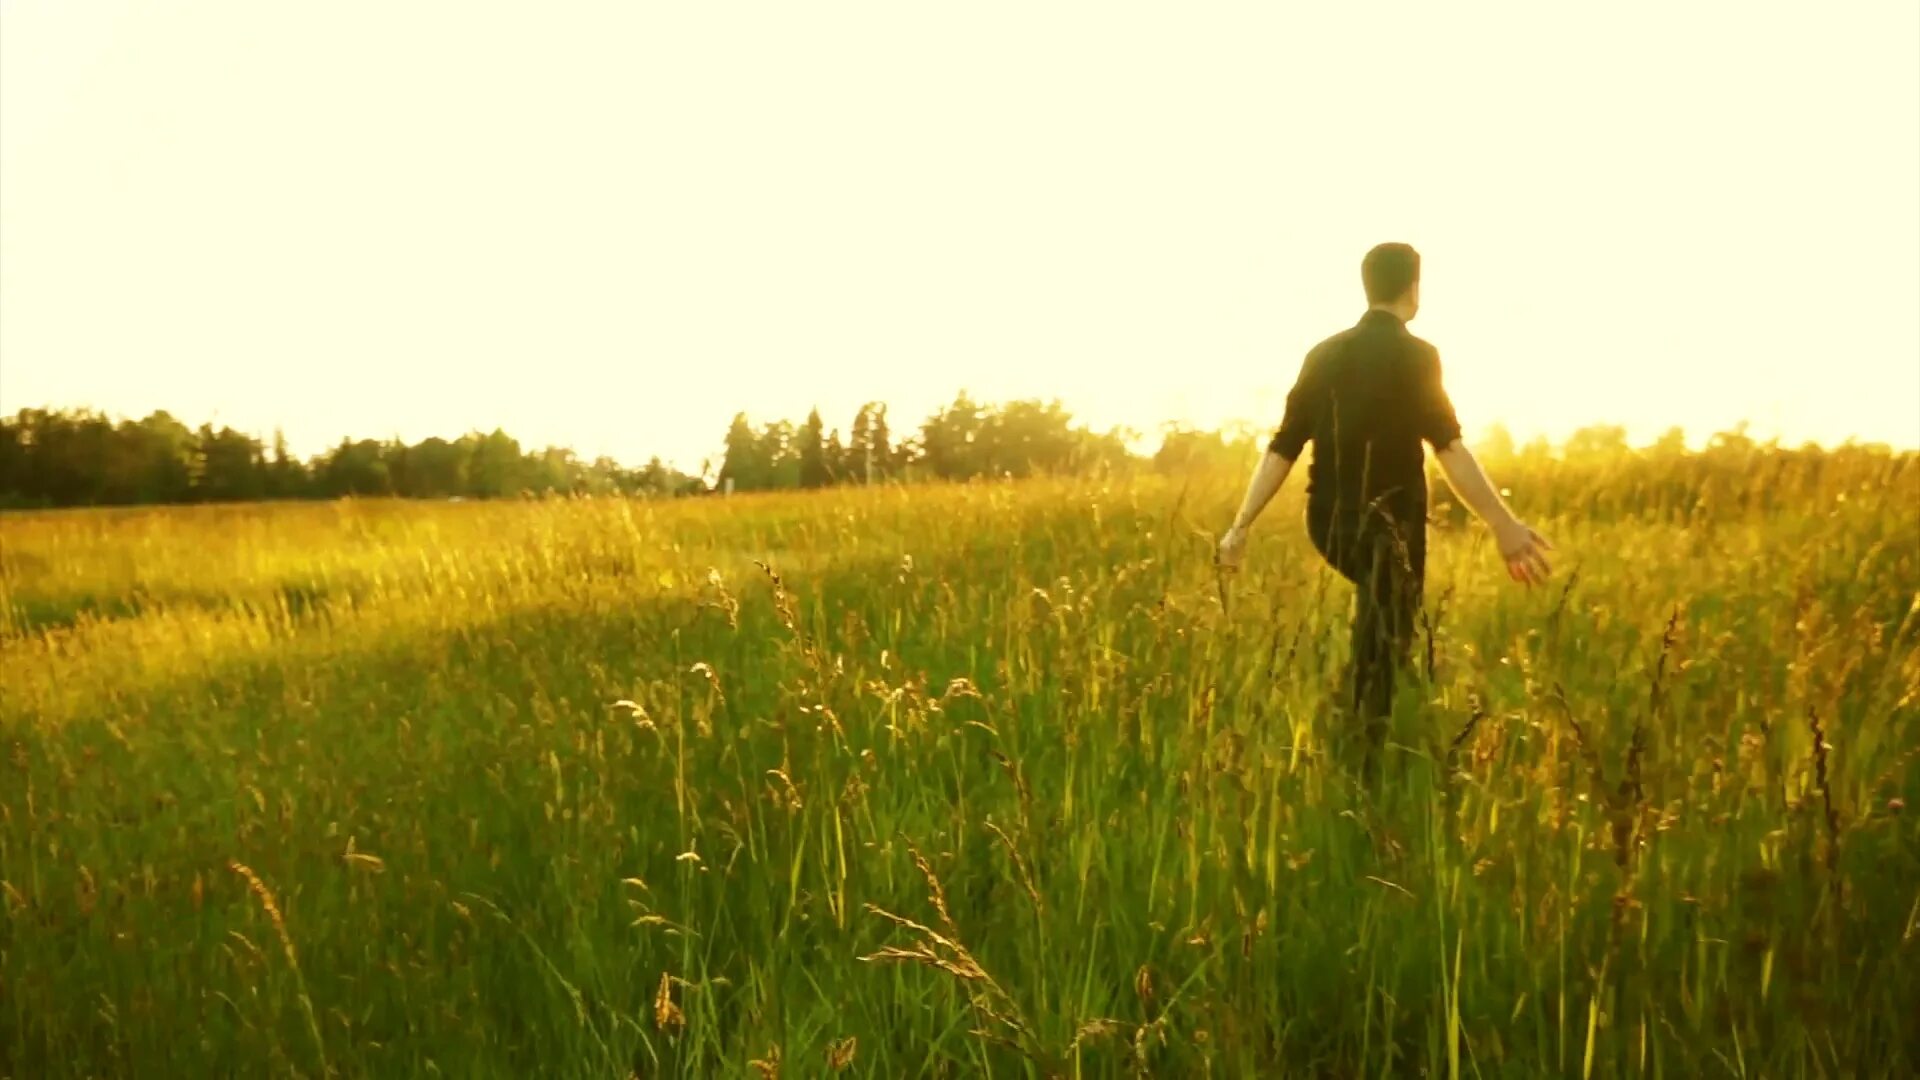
(1233, 547)
(1524, 552)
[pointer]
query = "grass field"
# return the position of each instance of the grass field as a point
(978, 781)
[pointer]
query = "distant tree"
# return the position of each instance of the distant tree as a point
(1671, 444)
(354, 468)
(1598, 442)
(948, 439)
(229, 466)
(168, 446)
(495, 466)
(653, 480)
(604, 476)
(12, 464)
(834, 457)
(1734, 442)
(871, 453)
(398, 457)
(908, 460)
(1022, 438)
(550, 471)
(147, 461)
(811, 451)
(780, 450)
(1184, 450)
(859, 445)
(887, 457)
(437, 469)
(65, 457)
(286, 477)
(745, 464)
(93, 440)
(124, 479)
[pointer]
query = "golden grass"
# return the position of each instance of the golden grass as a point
(952, 781)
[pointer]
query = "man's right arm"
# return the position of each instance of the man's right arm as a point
(1296, 430)
(1521, 548)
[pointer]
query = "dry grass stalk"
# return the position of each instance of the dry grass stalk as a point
(1019, 865)
(1581, 743)
(1093, 1031)
(1475, 716)
(840, 1053)
(1667, 640)
(272, 908)
(1019, 782)
(1143, 986)
(1831, 816)
(944, 952)
(666, 1014)
(935, 894)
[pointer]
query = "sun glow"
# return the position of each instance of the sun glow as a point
(615, 230)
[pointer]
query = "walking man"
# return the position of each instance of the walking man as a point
(1366, 398)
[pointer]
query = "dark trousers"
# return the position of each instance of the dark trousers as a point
(1387, 566)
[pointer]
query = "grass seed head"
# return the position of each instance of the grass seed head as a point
(666, 1013)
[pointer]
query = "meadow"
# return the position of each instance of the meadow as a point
(995, 779)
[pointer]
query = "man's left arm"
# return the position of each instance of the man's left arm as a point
(1434, 418)
(1521, 548)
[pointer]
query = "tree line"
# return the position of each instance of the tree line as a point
(960, 441)
(60, 458)
(57, 458)
(80, 457)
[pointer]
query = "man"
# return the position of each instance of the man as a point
(1367, 397)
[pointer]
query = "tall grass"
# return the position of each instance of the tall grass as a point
(978, 780)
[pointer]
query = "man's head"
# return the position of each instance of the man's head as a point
(1391, 275)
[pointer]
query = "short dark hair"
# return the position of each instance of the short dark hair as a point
(1388, 271)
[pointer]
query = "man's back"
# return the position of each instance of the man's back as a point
(1366, 398)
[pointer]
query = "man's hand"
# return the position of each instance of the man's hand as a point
(1267, 478)
(1524, 552)
(1233, 547)
(1521, 548)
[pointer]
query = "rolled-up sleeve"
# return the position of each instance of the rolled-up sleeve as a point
(1434, 416)
(1296, 427)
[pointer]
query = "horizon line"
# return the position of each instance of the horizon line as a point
(1133, 438)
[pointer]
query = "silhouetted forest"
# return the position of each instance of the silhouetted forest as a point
(63, 458)
(81, 458)
(963, 440)
(60, 458)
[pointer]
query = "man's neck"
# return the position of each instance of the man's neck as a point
(1395, 310)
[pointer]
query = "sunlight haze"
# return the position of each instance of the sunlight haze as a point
(613, 226)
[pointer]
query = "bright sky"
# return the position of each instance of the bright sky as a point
(612, 226)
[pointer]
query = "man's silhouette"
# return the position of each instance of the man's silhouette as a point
(1366, 398)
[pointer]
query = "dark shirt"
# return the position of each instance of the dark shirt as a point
(1365, 398)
